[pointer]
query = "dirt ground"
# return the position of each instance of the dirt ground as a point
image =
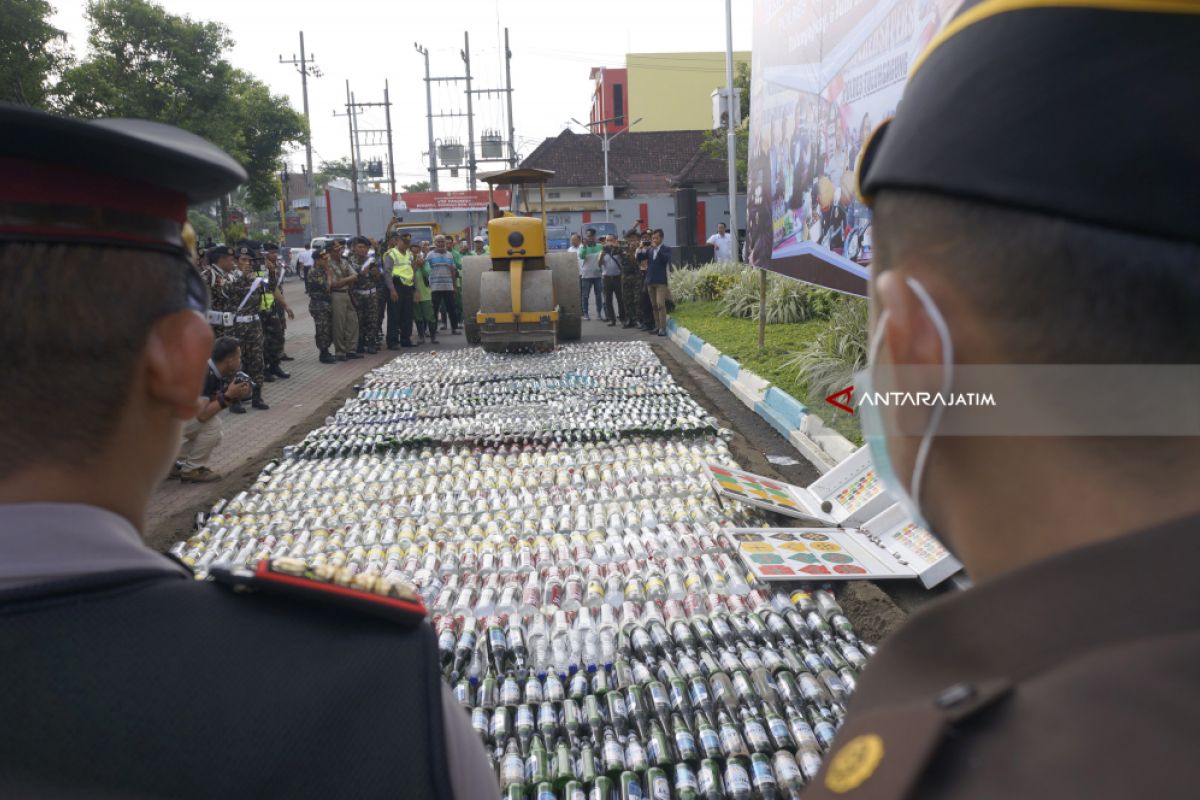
(875, 610)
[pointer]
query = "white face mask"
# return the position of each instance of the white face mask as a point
(908, 494)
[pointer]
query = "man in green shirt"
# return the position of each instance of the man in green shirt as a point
(423, 302)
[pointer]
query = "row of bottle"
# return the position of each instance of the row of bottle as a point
(631, 771)
(629, 453)
(765, 711)
(763, 630)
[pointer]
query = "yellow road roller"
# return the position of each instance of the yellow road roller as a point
(520, 297)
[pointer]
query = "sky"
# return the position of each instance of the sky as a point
(554, 45)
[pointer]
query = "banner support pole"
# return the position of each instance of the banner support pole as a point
(762, 309)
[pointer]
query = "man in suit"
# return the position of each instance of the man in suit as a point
(657, 268)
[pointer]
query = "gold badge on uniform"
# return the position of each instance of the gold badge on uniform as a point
(856, 761)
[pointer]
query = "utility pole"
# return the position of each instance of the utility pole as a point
(731, 146)
(605, 142)
(466, 57)
(305, 66)
(356, 153)
(351, 111)
(512, 131)
(472, 161)
(433, 168)
(387, 110)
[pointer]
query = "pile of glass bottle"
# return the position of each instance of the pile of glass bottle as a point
(591, 614)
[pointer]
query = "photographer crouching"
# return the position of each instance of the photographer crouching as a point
(202, 434)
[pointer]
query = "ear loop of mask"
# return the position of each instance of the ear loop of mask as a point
(935, 419)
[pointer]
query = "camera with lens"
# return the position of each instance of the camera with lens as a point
(241, 377)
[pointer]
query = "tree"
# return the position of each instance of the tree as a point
(338, 168)
(146, 63)
(419, 186)
(715, 145)
(205, 226)
(33, 53)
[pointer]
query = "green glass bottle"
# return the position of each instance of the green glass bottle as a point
(709, 778)
(537, 765)
(512, 766)
(687, 786)
(613, 753)
(602, 789)
(574, 791)
(564, 765)
(586, 763)
(658, 747)
(631, 787)
(657, 786)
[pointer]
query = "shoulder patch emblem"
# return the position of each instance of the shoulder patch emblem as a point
(854, 763)
(370, 594)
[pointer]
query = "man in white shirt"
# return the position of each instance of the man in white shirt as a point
(723, 242)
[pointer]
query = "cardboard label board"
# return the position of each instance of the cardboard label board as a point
(854, 530)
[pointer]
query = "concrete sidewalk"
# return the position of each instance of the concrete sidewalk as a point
(249, 436)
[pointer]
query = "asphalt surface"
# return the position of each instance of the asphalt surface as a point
(875, 610)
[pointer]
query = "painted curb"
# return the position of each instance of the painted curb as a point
(823, 447)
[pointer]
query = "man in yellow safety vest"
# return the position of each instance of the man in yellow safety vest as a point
(398, 263)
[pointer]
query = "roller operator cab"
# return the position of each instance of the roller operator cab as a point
(520, 297)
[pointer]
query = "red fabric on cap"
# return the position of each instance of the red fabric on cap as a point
(27, 182)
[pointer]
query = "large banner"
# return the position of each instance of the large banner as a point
(824, 73)
(453, 201)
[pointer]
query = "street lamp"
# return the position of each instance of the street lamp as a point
(605, 140)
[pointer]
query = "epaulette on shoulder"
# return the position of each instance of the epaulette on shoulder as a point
(326, 585)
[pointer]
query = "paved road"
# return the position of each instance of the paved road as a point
(296, 406)
(316, 390)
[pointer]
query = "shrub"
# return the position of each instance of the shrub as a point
(708, 282)
(829, 361)
(741, 298)
(788, 301)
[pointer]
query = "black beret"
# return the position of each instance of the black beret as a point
(245, 251)
(220, 251)
(360, 240)
(1081, 111)
(332, 243)
(137, 177)
(270, 247)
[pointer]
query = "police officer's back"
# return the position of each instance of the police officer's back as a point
(122, 676)
(1036, 203)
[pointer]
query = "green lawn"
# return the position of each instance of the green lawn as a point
(738, 339)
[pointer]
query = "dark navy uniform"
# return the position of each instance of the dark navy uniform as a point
(123, 675)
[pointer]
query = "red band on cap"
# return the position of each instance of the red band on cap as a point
(48, 184)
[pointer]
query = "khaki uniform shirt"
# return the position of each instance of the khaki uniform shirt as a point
(1075, 677)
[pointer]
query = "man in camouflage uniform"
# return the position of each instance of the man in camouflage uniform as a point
(365, 293)
(631, 280)
(382, 284)
(318, 283)
(244, 295)
(273, 311)
(218, 275)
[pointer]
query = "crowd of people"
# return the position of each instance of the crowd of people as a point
(248, 315)
(373, 296)
(364, 297)
(629, 279)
